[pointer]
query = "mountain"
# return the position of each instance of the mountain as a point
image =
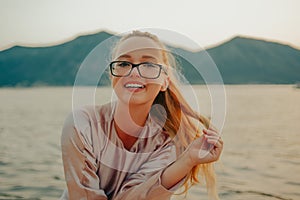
(246, 60)
(240, 61)
(55, 65)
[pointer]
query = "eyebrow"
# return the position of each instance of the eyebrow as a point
(149, 57)
(144, 57)
(124, 56)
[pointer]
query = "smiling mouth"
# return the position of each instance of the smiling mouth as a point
(134, 86)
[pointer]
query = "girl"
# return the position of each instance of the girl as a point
(146, 144)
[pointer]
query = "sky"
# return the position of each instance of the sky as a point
(207, 23)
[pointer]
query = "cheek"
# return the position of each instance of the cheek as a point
(116, 84)
(159, 81)
(115, 81)
(154, 88)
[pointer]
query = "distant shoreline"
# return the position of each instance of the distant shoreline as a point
(105, 86)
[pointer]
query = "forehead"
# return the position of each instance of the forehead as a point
(139, 46)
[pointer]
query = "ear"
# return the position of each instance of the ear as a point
(165, 84)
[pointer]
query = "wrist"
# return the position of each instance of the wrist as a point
(188, 159)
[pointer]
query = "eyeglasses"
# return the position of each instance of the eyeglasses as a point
(146, 69)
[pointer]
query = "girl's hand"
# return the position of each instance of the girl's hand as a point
(206, 148)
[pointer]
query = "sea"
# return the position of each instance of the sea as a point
(261, 133)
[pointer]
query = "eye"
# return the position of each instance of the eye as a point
(123, 64)
(149, 65)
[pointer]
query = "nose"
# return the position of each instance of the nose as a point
(134, 72)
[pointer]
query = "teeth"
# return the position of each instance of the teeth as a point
(133, 85)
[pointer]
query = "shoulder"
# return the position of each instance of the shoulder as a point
(83, 122)
(84, 116)
(79, 118)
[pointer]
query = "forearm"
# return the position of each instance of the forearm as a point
(175, 172)
(192, 157)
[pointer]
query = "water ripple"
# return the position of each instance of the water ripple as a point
(257, 193)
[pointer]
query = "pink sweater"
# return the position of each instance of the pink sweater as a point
(97, 166)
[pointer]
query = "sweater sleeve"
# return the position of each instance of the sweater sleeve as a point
(79, 161)
(146, 182)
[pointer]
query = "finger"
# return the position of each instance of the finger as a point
(209, 132)
(220, 140)
(212, 141)
(216, 137)
(219, 144)
(212, 137)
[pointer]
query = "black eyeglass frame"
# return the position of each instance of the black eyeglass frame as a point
(161, 67)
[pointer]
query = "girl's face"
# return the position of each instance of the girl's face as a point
(133, 88)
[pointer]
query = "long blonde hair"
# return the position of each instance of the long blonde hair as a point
(180, 123)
